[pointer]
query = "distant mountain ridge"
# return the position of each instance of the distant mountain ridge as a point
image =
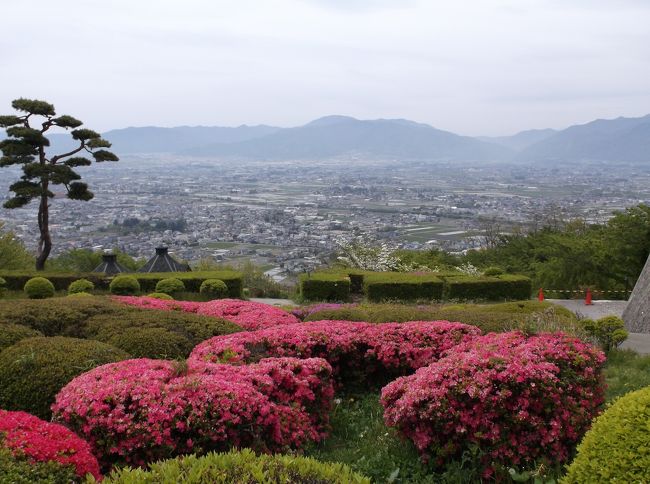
(615, 140)
(611, 140)
(334, 136)
(521, 140)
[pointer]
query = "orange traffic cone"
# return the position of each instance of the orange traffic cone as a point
(588, 298)
(540, 296)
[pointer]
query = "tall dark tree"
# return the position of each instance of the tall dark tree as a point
(27, 145)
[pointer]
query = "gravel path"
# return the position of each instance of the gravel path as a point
(273, 302)
(639, 342)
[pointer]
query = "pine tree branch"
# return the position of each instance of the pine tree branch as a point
(56, 158)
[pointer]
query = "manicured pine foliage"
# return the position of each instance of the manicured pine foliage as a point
(27, 146)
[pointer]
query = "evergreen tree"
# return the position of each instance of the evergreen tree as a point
(27, 145)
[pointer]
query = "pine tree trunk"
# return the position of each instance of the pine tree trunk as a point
(44, 242)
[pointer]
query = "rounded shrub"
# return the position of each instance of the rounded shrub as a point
(10, 334)
(519, 400)
(170, 286)
(124, 286)
(3, 286)
(35, 451)
(247, 314)
(39, 288)
(180, 326)
(81, 285)
(33, 370)
(214, 288)
(139, 411)
(609, 332)
(493, 271)
(160, 295)
(240, 466)
(616, 447)
(157, 343)
(358, 352)
(59, 316)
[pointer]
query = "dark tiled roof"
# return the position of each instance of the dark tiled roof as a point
(163, 262)
(110, 265)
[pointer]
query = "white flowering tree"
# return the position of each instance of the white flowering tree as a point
(358, 253)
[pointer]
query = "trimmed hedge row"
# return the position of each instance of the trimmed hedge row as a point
(488, 288)
(325, 287)
(239, 466)
(402, 286)
(16, 280)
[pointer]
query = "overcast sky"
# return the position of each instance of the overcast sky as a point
(475, 67)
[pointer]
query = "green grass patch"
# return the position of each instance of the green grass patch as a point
(626, 371)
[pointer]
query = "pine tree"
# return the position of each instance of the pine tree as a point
(27, 146)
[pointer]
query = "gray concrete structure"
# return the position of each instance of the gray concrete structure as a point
(637, 312)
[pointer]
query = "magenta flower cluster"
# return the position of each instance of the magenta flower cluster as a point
(138, 411)
(350, 347)
(247, 314)
(520, 400)
(29, 437)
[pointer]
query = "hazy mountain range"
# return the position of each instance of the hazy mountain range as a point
(616, 140)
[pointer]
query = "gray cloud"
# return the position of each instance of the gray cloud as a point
(474, 66)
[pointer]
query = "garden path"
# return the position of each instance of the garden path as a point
(639, 342)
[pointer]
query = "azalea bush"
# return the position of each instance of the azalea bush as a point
(29, 442)
(356, 351)
(247, 314)
(141, 410)
(518, 400)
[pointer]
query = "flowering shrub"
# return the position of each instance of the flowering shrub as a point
(28, 437)
(137, 411)
(162, 304)
(518, 400)
(353, 349)
(249, 315)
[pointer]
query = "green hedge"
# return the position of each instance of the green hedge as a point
(193, 280)
(401, 286)
(617, 447)
(101, 319)
(33, 370)
(22, 470)
(15, 280)
(325, 287)
(239, 467)
(470, 288)
(10, 334)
